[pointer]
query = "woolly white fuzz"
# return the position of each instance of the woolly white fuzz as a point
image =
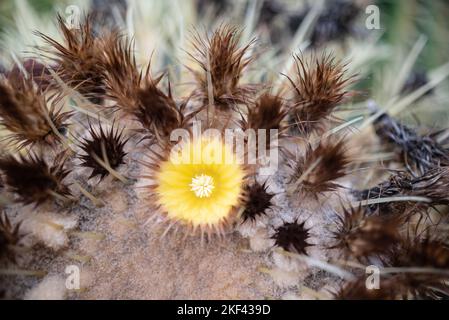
(51, 288)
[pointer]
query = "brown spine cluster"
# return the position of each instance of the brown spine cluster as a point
(293, 237)
(33, 180)
(320, 85)
(10, 237)
(105, 144)
(361, 235)
(222, 62)
(267, 113)
(138, 95)
(24, 113)
(257, 201)
(77, 60)
(316, 172)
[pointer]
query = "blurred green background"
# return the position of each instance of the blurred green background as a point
(403, 20)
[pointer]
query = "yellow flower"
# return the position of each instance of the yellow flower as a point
(201, 184)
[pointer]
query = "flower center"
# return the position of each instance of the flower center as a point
(202, 185)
